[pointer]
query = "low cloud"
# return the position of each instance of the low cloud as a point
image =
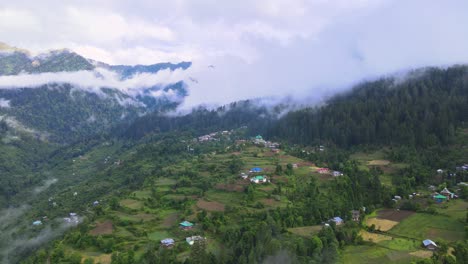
(4, 103)
(45, 186)
(20, 244)
(93, 81)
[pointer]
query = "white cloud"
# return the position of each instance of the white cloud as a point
(4, 103)
(259, 47)
(93, 81)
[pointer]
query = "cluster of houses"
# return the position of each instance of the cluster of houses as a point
(255, 177)
(185, 225)
(72, 219)
(328, 171)
(170, 242)
(444, 195)
(273, 146)
(355, 216)
(213, 136)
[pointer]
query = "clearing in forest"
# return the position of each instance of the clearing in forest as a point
(306, 231)
(378, 162)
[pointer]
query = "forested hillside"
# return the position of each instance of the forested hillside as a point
(133, 183)
(422, 110)
(256, 117)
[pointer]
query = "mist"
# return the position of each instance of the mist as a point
(93, 81)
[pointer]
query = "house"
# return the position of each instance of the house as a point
(95, 203)
(440, 171)
(259, 179)
(191, 240)
(167, 242)
(186, 225)
(355, 215)
(429, 244)
(445, 192)
(337, 220)
(243, 176)
(256, 170)
(440, 198)
(37, 223)
(323, 170)
(259, 140)
(337, 174)
(295, 166)
(397, 197)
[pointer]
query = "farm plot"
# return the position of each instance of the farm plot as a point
(130, 203)
(387, 219)
(210, 206)
(104, 228)
(423, 226)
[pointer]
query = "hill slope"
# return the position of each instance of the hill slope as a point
(63, 96)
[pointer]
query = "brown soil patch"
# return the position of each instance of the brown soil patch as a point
(372, 237)
(394, 215)
(170, 220)
(381, 224)
(104, 259)
(422, 254)
(234, 187)
(277, 178)
(104, 228)
(305, 164)
(210, 206)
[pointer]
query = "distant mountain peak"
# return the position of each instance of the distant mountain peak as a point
(7, 48)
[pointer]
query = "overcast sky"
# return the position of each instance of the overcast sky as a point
(258, 48)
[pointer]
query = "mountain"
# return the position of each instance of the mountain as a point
(66, 97)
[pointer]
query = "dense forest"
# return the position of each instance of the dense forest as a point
(422, 110)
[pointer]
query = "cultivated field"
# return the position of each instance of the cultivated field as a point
(210, 206)
(104, 228)
(422, 226)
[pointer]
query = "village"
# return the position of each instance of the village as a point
(175, 215)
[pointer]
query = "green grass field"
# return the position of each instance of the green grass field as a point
(375, 254)
(425, 226)
(306, 231)
(158, 235)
